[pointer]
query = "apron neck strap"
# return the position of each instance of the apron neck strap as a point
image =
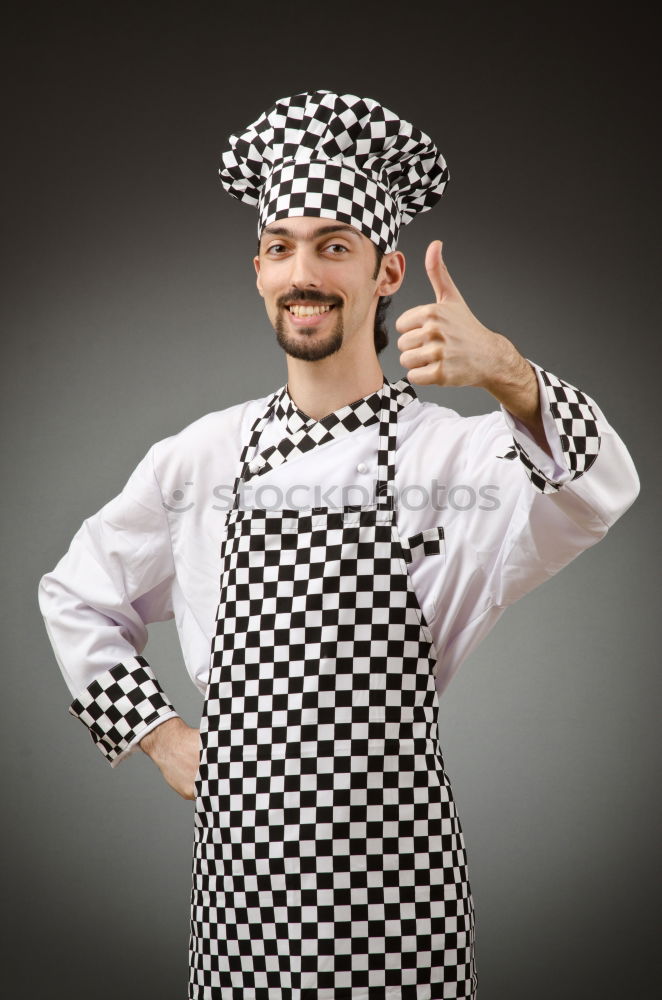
(388, 429)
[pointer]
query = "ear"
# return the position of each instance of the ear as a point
(392, 273)
(256, 262)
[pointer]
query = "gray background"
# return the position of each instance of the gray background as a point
(130, 310)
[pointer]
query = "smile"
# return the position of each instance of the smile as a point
(308, 310)
(308, 315)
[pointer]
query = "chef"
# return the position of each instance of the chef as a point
(331, 553)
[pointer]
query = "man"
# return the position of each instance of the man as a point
(369, 542)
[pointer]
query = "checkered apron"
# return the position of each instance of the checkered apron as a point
(329, 861)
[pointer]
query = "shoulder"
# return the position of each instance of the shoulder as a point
(218, 434)
(435, 440)
(423, 419)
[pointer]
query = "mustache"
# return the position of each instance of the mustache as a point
(311, 296)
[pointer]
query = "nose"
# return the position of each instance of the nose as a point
(305, 268)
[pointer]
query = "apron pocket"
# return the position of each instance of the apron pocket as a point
(428, 542)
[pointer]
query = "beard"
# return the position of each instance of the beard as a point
(308, 345)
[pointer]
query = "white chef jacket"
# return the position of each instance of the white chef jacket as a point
(511, 517)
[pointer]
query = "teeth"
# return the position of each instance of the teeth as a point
(308, 310)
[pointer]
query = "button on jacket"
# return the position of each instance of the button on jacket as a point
(484, 513)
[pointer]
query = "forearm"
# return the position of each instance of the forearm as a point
(175, 749)
(514, 384)
(164, 740)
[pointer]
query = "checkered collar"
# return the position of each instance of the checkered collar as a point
(360, 413)
(304, 433)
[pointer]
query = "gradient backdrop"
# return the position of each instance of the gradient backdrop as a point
(130, 310)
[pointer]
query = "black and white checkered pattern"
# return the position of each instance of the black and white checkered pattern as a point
(119, 703)
(361, 413)
(578, 429)
(335, 156)
(329, 860)
(427, 542)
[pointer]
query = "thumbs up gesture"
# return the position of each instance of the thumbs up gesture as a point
(443, 343)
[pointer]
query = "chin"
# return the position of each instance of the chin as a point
(308, 346)
(308, 349)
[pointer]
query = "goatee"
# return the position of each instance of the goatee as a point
(307, 346)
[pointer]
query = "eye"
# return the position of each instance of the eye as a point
(337, 246)
(275, 246)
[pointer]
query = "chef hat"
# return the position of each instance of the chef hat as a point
(336, 156)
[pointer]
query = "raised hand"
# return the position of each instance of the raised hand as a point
(443, 343)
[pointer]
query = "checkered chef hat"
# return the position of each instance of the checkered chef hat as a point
(339, 157)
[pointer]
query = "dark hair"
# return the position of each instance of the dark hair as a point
(380, 331)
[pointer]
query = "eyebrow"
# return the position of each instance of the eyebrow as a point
(315, 234)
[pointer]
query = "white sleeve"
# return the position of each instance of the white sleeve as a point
(546, 510)
(113, 581)
(572, 499)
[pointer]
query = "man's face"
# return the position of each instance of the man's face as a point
(308, 263)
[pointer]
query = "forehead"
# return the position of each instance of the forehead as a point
(307, 228)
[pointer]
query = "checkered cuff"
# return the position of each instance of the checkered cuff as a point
(121, 703)
(577, 427)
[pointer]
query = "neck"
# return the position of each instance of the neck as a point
(321, 387)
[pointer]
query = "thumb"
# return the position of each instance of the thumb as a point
(440, 279)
